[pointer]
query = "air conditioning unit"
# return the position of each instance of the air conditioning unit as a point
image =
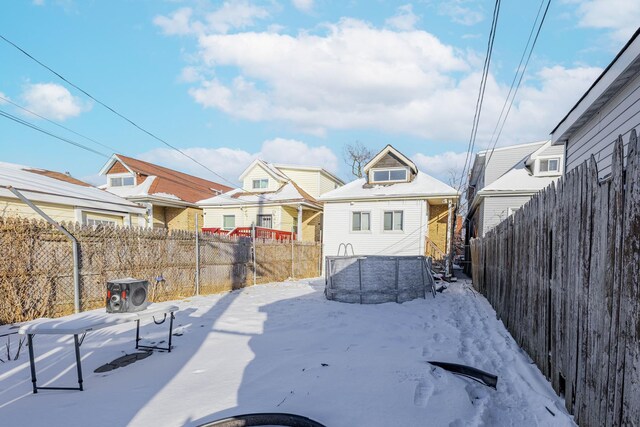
(127, 295)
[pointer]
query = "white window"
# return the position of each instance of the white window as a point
(549, 165)
(389, 175)
(360, 221)
(260, 183)
(228, 222)
(393, 221)
(121, 181)
(265, 221)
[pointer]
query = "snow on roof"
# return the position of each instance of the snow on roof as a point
(423, 185)
(518, 179)
(41, 188)
(288, 192)
(143, 190)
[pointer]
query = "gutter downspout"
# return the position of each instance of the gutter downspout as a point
(74, 242)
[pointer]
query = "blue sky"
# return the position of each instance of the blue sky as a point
(291, 81)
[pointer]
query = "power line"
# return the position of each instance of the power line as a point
(481, 91)
(488, 158)
(122, 116)
(39, 129)
(58, 124)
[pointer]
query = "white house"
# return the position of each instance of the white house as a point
(608, 109)
(503, 180)
(394, 210)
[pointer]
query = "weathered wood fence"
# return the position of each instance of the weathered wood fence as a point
(562, 273)
(36, 265)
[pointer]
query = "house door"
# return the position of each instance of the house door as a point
(265, 221)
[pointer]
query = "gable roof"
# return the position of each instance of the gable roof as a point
(623, 68)
(39, 187)
(311, 169)
(66, 177)
(423, 186)
(165, 183)
(390, 150)
(269, 168)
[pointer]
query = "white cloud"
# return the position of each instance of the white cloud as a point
(38, 2)
(404, 19)
(230, 162)
(303, 5)
(53, 101)
(445, 166)
(236, 14)
(621, 17)
(2, 95)
(459, 13)
(357, 76)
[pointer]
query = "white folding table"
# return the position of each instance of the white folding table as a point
(80, 324)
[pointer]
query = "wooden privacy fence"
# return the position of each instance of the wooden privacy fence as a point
(36, 268)
(563, 275)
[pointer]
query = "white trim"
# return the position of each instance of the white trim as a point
(351, 230)
(393, 222)
(310, 168)
(264, 166)
(538, 172)
(372, 172)
(114, 158)
(383, 152)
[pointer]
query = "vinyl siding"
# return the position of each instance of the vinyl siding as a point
(617, 117)
(307, 180)
(503, 160)
(410, 241)
(258, 172)
(495, 210)
(327, 184)
(245, 217)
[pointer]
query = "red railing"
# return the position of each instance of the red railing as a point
(261, 233)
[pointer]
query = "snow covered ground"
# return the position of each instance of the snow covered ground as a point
(284, 348)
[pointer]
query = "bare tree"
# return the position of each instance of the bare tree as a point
(356, 156)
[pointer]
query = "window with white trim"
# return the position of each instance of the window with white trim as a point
(393, 221)
(360, 221)
(121, 181)
(228, 222)
(511, 211)
(103, 222)
(260, 183)
(549, 165)
(389, 175)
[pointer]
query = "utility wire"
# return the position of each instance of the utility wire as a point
(483, 83)
(39, 129)
(504, 120)
(113, 110)
(57, 124)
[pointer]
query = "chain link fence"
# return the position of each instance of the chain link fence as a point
(36, 272)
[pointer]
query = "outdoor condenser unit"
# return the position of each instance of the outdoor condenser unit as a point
(127, 295)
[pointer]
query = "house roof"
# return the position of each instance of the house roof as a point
(66, 177)
(288, 193)
(280, 166)
(518, 180)
(623, 68)
(268, 167)
(386, 150)
(163, 183)
(39, 187)
(422, 186)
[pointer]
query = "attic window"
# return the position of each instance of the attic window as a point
(549, 165)
(260, 183)
(121, 181)
(389, 175)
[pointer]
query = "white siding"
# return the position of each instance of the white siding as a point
(258, 172)
(618, 116)
(410, 241)
(494, 210)
(503, 160)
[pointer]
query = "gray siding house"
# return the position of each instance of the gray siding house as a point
(609, 108)
(500, 182)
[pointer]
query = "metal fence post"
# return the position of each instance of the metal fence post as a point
(293, 274)
(253, 249)
(197, 257)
